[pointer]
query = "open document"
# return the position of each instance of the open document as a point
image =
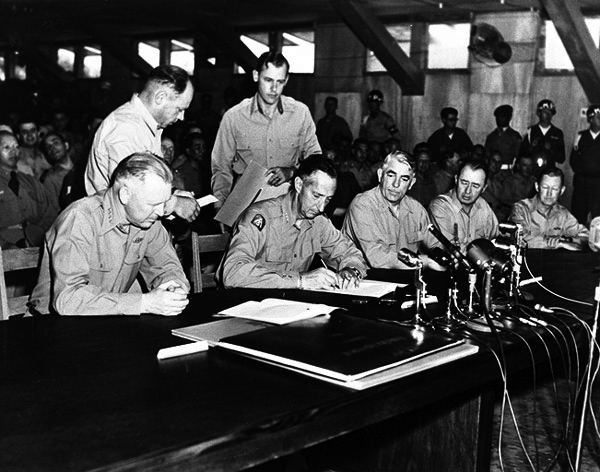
(277, 311)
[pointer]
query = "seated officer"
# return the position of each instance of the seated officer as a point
(97, 246)
(275, 241)
(383, 220)
(461, 214)
(546, 223)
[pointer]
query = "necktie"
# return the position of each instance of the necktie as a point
(13, 183)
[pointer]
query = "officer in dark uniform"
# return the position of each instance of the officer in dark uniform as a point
(545, 135)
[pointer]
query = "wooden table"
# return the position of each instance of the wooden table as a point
(89, 394)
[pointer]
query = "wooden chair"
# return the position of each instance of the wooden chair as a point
(13, 260)
(202, 244)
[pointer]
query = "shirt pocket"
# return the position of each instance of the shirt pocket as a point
(101, 264)
(248, 148)
(290, 150)
(276, 254)
(414, 237)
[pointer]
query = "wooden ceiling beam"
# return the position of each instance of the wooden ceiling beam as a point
(38, 58)
(224, 36)
(121, 48)
(577, 40)
(374, 35)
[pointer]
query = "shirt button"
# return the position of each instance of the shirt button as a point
(295, 255)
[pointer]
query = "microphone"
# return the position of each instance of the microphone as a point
(450, 248)
(543, 309)
(409, 258)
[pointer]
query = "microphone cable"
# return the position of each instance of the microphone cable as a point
(550, 291)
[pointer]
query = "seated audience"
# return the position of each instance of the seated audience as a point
(31, 159)
(493, 190)
(461, 215)
(97, 246)
(520, 184)
(424, 189)
(445, 178)
(56, 150)
(360, 166)
(347, 188)
(26, 211)
(383, 220)
(275, 241)
(192, 167)
(546, 223)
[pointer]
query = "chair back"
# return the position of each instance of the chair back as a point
(12, 260)
(203, 244)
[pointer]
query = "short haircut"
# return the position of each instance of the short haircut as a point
(402, 157)
(54, 133)
(138, 166)
(335, 100)
(421, 147)
(172, 76)
(314, 163)
(474, 165)
(447, 111)
(552, 172)
(28, 119)
(272, 57)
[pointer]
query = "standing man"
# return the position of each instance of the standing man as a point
(99, 244)
(332, 127)
(137, 126)
(504, 138)
(461, 214)
(26, 212)
(585, 161)
(449, 136)
(545, 135)
(271, 129)
(383, 220)
(546, 223)
(377, 125)
(276, 240)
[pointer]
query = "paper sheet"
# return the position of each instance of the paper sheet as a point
(278, 311)
(367, 288)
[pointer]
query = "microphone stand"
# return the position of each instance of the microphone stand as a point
(588, 380)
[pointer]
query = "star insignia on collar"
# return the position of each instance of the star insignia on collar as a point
(258, 221)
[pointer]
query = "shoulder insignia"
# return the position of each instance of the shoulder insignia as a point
(258, 221)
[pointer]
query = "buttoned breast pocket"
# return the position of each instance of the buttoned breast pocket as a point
(276, 254)
(248, 148)
(414, 237)
(290, 150)
(101, 263)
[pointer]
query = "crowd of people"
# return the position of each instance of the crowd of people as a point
(120, 200)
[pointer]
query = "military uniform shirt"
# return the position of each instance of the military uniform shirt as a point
(33, 205)
(446, 211)
(92, 256)
(246, 134)
(379, 230)
(269, 248)
(130, 128)
(537, 227)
